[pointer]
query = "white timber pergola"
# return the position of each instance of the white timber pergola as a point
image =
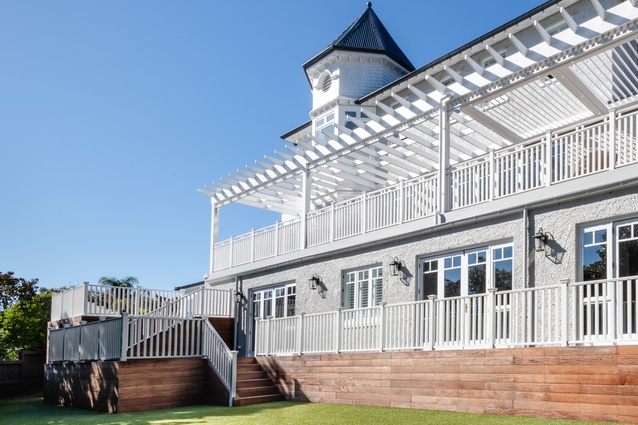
(561, 70)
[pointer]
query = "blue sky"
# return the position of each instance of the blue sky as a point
(113, 114)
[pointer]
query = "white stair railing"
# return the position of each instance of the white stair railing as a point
(221, 359)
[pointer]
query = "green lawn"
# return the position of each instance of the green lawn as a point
(31, 410)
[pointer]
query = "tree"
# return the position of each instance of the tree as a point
(13, 289)
(127, 282)
(23, 324)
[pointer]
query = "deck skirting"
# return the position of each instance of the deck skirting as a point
(134, 385)
(584, 383)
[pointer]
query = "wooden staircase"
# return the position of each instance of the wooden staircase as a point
(253, 384)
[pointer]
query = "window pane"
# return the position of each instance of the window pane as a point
(503, 275)
(628, 258)
(452, 283)
(291, 306)
(600, 236)
(430, 284)
(279, 307)
(624, 232)
(595, 262)
(476, 279)
(588, 238)
(507, 252)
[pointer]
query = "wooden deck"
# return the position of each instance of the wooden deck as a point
(584, 383)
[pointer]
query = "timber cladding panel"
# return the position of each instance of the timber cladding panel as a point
(130, 386)
(585, 383)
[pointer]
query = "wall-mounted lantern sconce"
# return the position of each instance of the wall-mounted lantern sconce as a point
(314, 282)
(395, 266)
(238, 297)
(540, 240)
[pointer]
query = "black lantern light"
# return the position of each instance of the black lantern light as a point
(540, 240)
(313, 282)
(238, 297)
(395, 266)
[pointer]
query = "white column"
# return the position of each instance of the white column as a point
(444, 155)
(305, 208)
(214, 231)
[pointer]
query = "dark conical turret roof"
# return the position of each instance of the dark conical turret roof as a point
(366, 34)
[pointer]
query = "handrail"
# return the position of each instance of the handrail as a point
(221, 359)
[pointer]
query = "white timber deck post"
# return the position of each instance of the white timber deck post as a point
(548, 159)
(612, 140)
(491, 316)
(305, 208)
(85, 306)
(444, 155)
(382, 326)
(565, 312)
(401, 201)
(432, 323)
(338, 327)
(300, 334)
(124, 336)
(233, 378)
(214, 233)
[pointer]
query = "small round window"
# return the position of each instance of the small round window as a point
(327, 82)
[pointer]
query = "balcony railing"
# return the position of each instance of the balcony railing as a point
(551, 160)
(597, 312)
(99, 300)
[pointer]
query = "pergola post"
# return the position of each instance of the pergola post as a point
(305, 208)
(444, 154)
(214, 232)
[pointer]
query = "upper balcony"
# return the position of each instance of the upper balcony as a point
(518, 118)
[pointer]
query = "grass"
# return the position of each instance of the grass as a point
(31, 410)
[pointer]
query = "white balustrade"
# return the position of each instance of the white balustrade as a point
(288, 236)
(557, 315)
(158, 337)
(383, 208)
(581, 152)
(265, 246)
(419, 197)
(319, 227)
(470, 183)
(548, 160)
(625, 139)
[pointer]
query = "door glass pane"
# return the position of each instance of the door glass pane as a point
(267, 303)
(452, 276)
(628, 258)
(291, 305)
(430, 278)
(476, 273)
(594, 255)
(502, 268)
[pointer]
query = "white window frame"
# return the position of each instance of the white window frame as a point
(362, 287)
(463, 263)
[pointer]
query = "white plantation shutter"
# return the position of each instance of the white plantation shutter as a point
(377, 286)
(348, 301)
(364, 289)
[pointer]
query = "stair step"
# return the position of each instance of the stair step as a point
(245, 401)
(254, 383)
(248, 367)
(251, 375)
(255, 391)
(246, 360)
